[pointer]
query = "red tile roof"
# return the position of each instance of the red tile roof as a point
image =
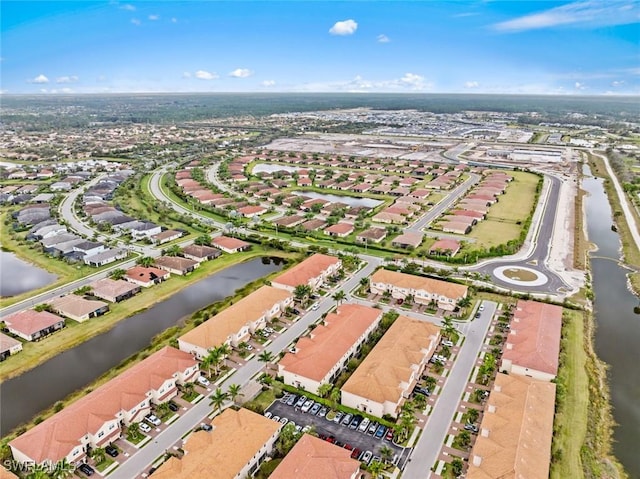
(311, 267)
(29, 321)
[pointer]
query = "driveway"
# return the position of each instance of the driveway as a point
(343, 434)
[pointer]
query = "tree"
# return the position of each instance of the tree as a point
(145, 261)
(234, 392)
(163, 409)
(204, 240)
(324, 389)
(464, 302)
(386, 453)
(456, 466)
(218, 399)
(133, 431)
(98, 455)
(117, 274)
(339, 296)
(38, 471)
(173, 250)
(287, 439)
(473, 415)
(447, 326)
(62, 469)
(302, 292)
(266, 357)
(364, 282)
(376, 468)
(335, 397)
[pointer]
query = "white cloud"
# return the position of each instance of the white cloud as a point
(579, 86)
(268, 83)
(471, 84)
(39, 79)
(128, 7)
(154, 17)
(174, 20)
(67, 79)
(241, 73)
(186, 75)
(408, 82)
(345, 27)
(135, 21)
(382, 38)
(617, 83)
(416, 82)
(588, 12)
(205, 75)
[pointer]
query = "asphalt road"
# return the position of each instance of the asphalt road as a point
(427, 449)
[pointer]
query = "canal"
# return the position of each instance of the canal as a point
(617, 336)
(17, 276)
(23, 397)
(347, 200)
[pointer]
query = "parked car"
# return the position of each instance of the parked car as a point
(295, 311)
(389, 435)
(347, 419)
(481, 307)
(144, 427)
(203, 381)
(478, 314)
(372, 428)
(301, 401)
(248, 347)
(322, 412)
(381, 431)
(471, 427)
(268, 415)
(276, 418)
(86, 469)
(284, 420)
(151, 419)
(173, 406)
(364, 425)
(111, 450)
(314, 296)
(306, 406)
(446, 342)
(366, 457)
(423, 391)
(206, 427)
(355, 454)
(400, 301)
(291, 400)
(355, 422)
(348, 447)
(338, 417)
(315, 408)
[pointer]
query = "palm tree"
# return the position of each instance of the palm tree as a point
(188, 389)
(234, 392)
(386, 453)
(376, 468)
(464, 302)
(447, 326)
(204, 240)
(214, 357)
(266, 357)
(117, 274)
(174, 250)
(133, 431)
(218, 398)
(163, 409)
(335, 397)
(364, 282)
(324, 389)
(301, 292)
(62, 469)
(98, 455)
(339, 296)
(145, 261)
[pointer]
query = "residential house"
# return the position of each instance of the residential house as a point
(145, 230)
(533, 343)
(516, 430)
(340, 230)
(313, 225)
(146, 276)
(409, 239)
(372, 235)
(251, 211)
(391, 218)
(230, 245)
(78, 308)
(313, 271)
(32, 325)
(96, 420)
(176, 264)
(114, 290)
(320, 357)
(313, 458)
(445, 246)
(388, 374)
(89, 248)
(200, 253)
(107, 256)
(424, 290)
(166, 236)
(8, 346)
(239, 442)
(236, 323)
(457, 227)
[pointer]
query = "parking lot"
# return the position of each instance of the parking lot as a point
(343, 435)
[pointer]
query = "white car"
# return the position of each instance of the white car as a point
(315, 306)
(151, 419)
(448, 343)
(144, 427)
(203, 381)
(481, 307)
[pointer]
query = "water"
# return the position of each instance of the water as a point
(347, 200)
(270, 168)
(25, 396)
(17, 276)
(618, 328)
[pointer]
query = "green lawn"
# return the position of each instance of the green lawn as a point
(502, 220)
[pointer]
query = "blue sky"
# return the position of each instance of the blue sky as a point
(544, 47)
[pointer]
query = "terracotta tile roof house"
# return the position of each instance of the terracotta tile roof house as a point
(290, 221)
(407, 240)
(176, 264)
(166, 236)
(424, 290)
(312, 271)
(473, 214)
(200, 253)
(8, 346)
(251, 211)
(313, 224)
(420, 193)
(386, 377)
(236, 446)
(446, 246)
(114, 290)
(94, 420)
(313, 458)
(234, 324)
(78, 308)
(385, 217)
(457, 227)
(31, 325)
(340, 230)
(146, 277)
(533, 343)
(468, 220)
(398, 209)
(230, 245)
(516, 430)
(372, 235)
(320, 357)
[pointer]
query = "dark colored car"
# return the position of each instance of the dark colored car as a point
(206, 427)
(355, 454)
(86, 469)
(423, 391)
(111, 450)
(389, 435)
(295, 311)
(173, 406)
